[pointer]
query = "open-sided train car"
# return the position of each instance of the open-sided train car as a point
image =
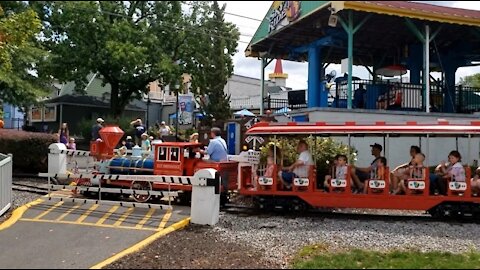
(269, 192)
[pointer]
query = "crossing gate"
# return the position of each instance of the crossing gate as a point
(96, 179)
(141, 187)
(5, 183)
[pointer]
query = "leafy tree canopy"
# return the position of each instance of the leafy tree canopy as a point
(132, 43)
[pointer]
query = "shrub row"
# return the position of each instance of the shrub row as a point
(29, 149)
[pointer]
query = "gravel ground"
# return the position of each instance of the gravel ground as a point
(281, 237)
(195, 247)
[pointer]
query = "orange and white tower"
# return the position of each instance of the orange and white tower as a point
(278, 77)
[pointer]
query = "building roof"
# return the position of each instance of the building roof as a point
(94, 88)
(385, 31)
(80, 100)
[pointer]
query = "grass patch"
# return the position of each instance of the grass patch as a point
(317, 257)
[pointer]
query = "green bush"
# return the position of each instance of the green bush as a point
(29, 149)
(323, 151)
(85, 126)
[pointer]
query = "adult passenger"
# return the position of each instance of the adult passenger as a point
(217, 148)
(96, 129)
(139, 130)
(360, 175)
(300, 168)
(401, 172)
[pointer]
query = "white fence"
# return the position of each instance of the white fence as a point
(5, 183)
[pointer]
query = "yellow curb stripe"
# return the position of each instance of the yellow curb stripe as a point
(18, 213)
(145, 219)
(86, 224)
(87, 213)
(68, 212)
(48, 211)
(123, 217)
(108, 214)
(179, 225)
(165, 219)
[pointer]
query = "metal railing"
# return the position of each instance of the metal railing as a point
(395, 96)
(5, 183)
(278, 103)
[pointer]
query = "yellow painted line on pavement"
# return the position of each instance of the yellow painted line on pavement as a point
(165, 219)
(48, 211)
(68, 212)
(87, 213)
(108, 214)
(179, 225)
(145, 219)
(87, 224)
(124, 216)
(18, 213)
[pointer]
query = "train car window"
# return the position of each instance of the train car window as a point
(174, 154)
(162, 153)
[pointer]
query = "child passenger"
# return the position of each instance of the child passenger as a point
(340, 170)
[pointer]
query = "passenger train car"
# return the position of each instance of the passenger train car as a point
(269, 192)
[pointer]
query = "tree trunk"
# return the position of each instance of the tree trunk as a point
(115, 106)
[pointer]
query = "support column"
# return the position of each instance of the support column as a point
(450, 98)
(350, 32)
(314, 70)
(426, 74)
(262, 85)
(350, 60)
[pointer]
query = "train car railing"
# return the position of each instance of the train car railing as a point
(5, 183)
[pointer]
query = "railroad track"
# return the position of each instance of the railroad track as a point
(246, 211)
(29, 188)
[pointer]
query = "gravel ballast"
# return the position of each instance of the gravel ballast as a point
(262, 241)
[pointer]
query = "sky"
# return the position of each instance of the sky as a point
(298, 72)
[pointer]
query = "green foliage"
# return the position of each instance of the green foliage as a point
(319, 258)
(29, 149)
(214, 64)
(472, 80)
(85, 126)
(20, 55)
(129, 44)
(323, 151)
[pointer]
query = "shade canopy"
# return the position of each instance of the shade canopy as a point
(282, 110)
(244, 112)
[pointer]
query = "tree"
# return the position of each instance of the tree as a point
(214, 64)
(20, 55)
(128, 43)
(472, 80)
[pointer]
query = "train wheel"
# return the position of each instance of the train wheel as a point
(298, 206)
(141, 185)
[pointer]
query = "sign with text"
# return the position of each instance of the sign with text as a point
(281, 10)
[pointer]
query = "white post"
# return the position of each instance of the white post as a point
(57, 163)
(427, 68)
(205, 208)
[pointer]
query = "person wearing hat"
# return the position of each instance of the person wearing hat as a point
(145, 142)
(164, 130)
(360, 175)
(96, 129)
(129, 144)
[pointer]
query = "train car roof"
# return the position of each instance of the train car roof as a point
(178, 144)
(406, 128)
